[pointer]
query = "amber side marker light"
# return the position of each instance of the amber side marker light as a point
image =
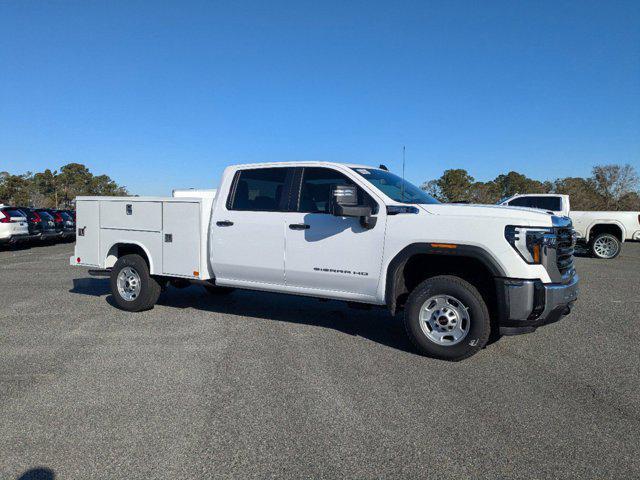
(536, 254)
(443, 245)
(196, 274)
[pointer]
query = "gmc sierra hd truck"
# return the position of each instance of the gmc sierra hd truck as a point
(345, 232)
(603, 232)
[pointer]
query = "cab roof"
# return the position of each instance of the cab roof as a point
(304, 163)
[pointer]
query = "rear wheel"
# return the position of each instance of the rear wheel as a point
(132, 287)
(606, 246)
(447, 318)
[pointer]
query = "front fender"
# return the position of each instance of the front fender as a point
(394, 282)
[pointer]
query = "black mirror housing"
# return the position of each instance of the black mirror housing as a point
(345, 204)
(351, 211)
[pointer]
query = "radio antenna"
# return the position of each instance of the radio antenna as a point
(402, 186)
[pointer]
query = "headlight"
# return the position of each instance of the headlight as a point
(530, 242)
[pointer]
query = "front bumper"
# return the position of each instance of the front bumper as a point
(525, 305)
(17, 238)
(49, 234)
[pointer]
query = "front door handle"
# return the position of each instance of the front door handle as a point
(224, 223)
(299, 226)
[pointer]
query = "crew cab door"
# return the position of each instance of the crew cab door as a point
(247, 238)
(326, 254)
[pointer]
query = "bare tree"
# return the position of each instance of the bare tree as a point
(613, 182)
(432, 188)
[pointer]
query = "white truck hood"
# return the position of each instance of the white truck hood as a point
(517, 215)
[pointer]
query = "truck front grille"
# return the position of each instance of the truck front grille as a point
(564, 251)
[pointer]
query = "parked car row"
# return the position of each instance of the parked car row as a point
(23, 224)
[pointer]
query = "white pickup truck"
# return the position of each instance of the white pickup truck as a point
(347, 232)
(603, 232)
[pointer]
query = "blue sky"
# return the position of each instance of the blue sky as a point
(165, 94)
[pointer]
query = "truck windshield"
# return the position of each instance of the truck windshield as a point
(394, 187)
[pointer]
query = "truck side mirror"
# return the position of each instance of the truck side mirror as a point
(345, 204)
(345, 195)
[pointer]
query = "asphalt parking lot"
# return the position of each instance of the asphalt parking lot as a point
(256, 385)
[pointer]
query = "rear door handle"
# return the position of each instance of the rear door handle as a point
(224, 223)
(299, 226)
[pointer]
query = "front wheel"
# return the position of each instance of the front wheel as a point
(605, 246)
(132, 287)
(447, 318)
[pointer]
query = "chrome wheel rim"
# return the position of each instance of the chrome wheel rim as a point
(129, 284)
(606, 246)
(444, 320)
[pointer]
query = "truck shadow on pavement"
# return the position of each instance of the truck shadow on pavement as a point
(374, 324)
(582, 251)
(38, 473)
(95, 287)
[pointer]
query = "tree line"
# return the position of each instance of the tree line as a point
(610, 187)
(55, 189)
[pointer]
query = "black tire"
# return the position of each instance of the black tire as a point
(479, 327)
(609, 238)
(216, 290)
(149, 290)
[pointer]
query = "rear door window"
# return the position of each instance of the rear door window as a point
(544, 203)
(29, 214)
(260, 190)
(14, 213)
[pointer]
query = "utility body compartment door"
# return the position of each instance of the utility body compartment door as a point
(131, 215)
(88, 232)
(181, 238)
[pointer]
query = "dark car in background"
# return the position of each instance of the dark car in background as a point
(64, 223)
(33, 222)
(72, 213)
(57, 220)
(68, 223)
(41, 226)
